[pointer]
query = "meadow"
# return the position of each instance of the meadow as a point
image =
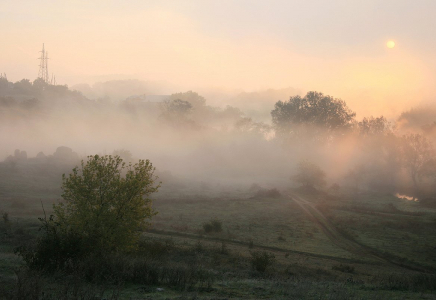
(234, 242)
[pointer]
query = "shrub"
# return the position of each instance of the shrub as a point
(213, 226)
(154, 248)
(106, 203)
(343, 268)
(54, 249)
(5, 217)
(260, 261)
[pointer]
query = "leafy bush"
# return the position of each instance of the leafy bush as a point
(55, 249)
(343, 268)
(154, 248)
(213, 226)
(106, 203)
(5, 217)
(260, 261)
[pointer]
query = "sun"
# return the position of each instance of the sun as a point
(390, 44)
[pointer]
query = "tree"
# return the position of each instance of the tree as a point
(417, 152)
(319, 113)
(177, 106)
(309, 175)
(23, 86)
(124, 154)
(247, 125)
(356, 176)
(374, 126)
(196, 100)
(107, 202)
(177, 113)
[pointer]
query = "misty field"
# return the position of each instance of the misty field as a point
(217, 150)
(180, 258)
(169, 197)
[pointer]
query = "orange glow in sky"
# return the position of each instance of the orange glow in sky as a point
(244, 45)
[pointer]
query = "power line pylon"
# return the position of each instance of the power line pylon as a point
(43, 65)
(53, 79)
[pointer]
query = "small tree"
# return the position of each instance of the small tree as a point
(260, 261)
(309, 175)
(356, 176)
(417, 153)
(107, 202)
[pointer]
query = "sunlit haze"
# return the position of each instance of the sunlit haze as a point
(226, 149)
(337, 47)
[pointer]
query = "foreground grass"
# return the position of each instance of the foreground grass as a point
(187, 268)
(179, 260)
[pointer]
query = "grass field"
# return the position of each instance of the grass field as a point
(178, 259)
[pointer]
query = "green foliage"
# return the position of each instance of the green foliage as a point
(309, 175)
(213, 226)
(107, 202)
(55, 249)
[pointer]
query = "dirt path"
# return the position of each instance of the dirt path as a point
(330, 230)
(192, 236)
(343, 241)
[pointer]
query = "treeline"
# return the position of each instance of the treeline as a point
(384, 157)
(371, 153)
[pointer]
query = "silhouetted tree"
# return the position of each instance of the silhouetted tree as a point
(177, 106)
(417, 152)
(356, 176)
(23, 86)
(39, 85)
(124, 154)
(177, 113)
(322, 115)
(248, 125)
(193, 98)
(309, 175)
(334, 188)
(373, 126)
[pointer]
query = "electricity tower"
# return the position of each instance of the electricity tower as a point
(43, 66)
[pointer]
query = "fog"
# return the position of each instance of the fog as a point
(186, 137)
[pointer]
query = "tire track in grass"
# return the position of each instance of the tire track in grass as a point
(192, 236)
(343, 241)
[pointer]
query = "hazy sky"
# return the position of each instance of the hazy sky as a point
(336, 47)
